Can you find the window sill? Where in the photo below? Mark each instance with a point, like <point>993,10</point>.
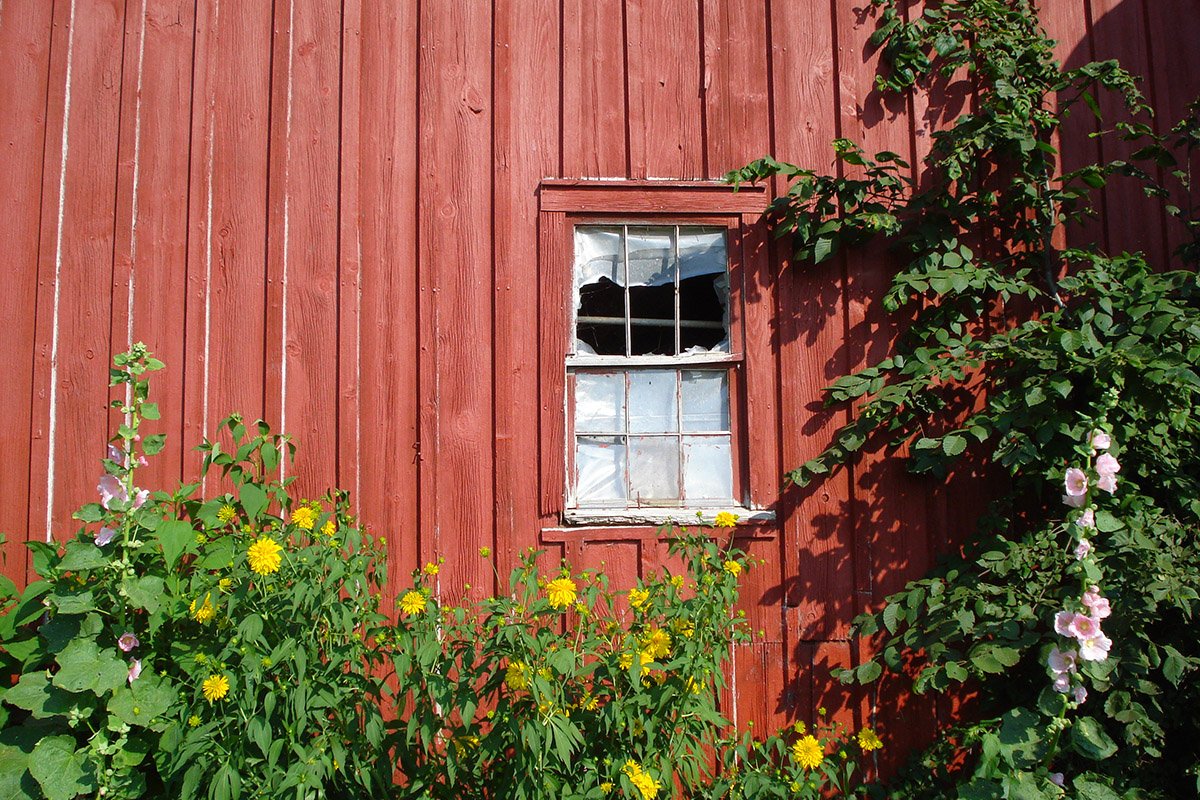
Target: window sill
<point>663,516</point>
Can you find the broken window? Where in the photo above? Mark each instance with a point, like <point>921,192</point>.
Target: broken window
<point>649,375</point>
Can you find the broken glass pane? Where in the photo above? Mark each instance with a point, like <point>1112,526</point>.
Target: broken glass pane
<point>600,402</point>
<point>654,469</point>
<point>652,401</point>
<point>651,256</point>
<point>701,252</point>
<point>702,312</point>
<point>600,470</point>
<point>707,468</point>
<point>598,255</point>
<point>705,400</point>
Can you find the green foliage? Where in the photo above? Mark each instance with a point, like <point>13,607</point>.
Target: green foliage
<point>565,688</point>
<point>1062,343</point>
<point>155,596</point>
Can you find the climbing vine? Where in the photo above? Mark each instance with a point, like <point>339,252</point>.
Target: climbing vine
<point>1077,348</point>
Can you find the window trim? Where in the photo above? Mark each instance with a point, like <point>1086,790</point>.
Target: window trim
<point>565,204</point>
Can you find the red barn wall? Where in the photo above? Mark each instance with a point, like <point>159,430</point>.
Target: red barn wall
<point>324,212</point>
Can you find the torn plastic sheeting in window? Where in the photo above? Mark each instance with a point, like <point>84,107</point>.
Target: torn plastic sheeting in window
<point>600,470</point>
<point>598,254</point>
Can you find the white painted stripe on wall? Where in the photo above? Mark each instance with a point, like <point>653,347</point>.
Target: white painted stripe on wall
<point>287,161</point>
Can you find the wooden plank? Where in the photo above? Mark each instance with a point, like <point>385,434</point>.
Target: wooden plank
<point>594,119</point>
<point>888,504</point>
<point>227,209</point>
<point>553,324</point>
<point>1118,31</point>
<point>302,263</point>
<point>386,430</point>
<point>666,116</point>
<point>1173,28</point>
<point>150,276</point>
<point>650,197</point>
<point>819,544</point>
<point>525,149</point>
<point>455,296</point>
<point>349,312</point>
<point>734,84</point>
<point>70,423</point>
<point>25,37</point>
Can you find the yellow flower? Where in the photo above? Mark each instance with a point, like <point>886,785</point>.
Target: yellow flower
<point>484,552</point>
<point>647,787</point>
<point>204,612</point>
<point>733,568</point>
<point>431,569</point>
<point>516,676</point>
<point>725,519</point>
<point>692,685</point>
<point>638,598</point>
<point>304,518</point>
<point>226,514</point>
<point>657,643</point>
<point>625,660</point>
<point>807,752</point>
<point>225,584</point>
<point>683,627</point>
<point>677,581</point>
<point>868,740</point>
<point>193,721</point>
<point>799,727</point>
<point>413,603</point>
<point>606,787</point>
<point>263,555</point>
<point>329,529</point>
<point>215,687</point>
<point>589,702</point>
<point>561,592</point>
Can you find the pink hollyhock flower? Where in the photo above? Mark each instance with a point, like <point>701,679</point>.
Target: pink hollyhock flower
<point>1095,648</point>
<point>140,498</point>
<point>135,670</point>
<point>1107,465</point>
<point>1062,683</point>
<point>116,454</point>
<point>1082,549</point>
<point>141,460</point>
<point>1062,623</point>
<point>1108,483</point>
<point>1100,441</point>
<point>1087,519</point>
<point>1080,694</point>
<point>1083,627</point>
<point>1074,502</point>
<point>1099,606</point>
<point>110,489</point>
<point>105,536</point>
<point>127,641</point>
<point>1057,779</point>
<point>1076,482</point>
<point>1061,661</point>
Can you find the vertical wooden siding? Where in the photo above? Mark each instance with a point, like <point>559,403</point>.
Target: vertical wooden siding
<point>325,212</point>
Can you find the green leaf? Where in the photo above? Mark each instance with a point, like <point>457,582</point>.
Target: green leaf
<point>1089,739</point>
<point>868,672</point>
<point>83,666</point>
<point>1174,665</point>
<point>73,602</point>
<point>822,249</point>
<point>890,613</point>
<point>37,695</point>
<point>81,556</point>
<point>15,781</point>
<point>145,703</point>
<point>254,500</point>
<point>150,411</point>
<point>59,770</point>
<point>153,445</point>
<point>145,592</point>
<point>953,444</point>
<point>956,671</point>
<point>175,536</point>
<point>1093,791</point>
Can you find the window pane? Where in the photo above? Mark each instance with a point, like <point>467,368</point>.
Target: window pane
<point>600,402</point>
<point>652,401</point>
<point>701,252</point>
<point>705,400</point>
<point>600,470</point>
<point>598,255</point>
<point>651,257</point>
<point>707,468</point>
<point>654,469</point>
<point>703,315</point>
<point>600,293</point>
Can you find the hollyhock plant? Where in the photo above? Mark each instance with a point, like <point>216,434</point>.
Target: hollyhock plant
<point>1097,605</point>
<point>1084,627</point>
<point>1107,465</point>
<point>1061,661</point>
<point>105,536</point>
<point>1108,483</point>
<point>1076,482</point>
<point>1087,519</point>
<point>1100,441</point>
<point>1080,694</point>
<point>135,670</point>
<point>110,489</point>
<point>1094,648</point>
<point>1082,549</point>
<point>127,641</point>
<point>1062,623</point>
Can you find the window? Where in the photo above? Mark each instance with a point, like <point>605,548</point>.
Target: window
<point>658,378</point>
<point>648,373</point>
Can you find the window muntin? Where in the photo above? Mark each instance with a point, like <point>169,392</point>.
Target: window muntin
<point>651,409</point>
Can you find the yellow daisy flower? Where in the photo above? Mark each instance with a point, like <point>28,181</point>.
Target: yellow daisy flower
<point>561,592</point>
<point>264,556</point>
<point>204,612</point>
<point>657,643</point>
<point>431,569</point>
<point>677,581</point>
<point>733,568</point>
<point>868,740</point>
<point>304,518</point>
<point>413,603</point>
<point>638,598</point>
<point>215,687</point>
<point>329,529</point>
<point>642,781</point>
<point>807,752</point>
<point>725,519</point>
<point>226,514</point>
<point>516,676</point>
